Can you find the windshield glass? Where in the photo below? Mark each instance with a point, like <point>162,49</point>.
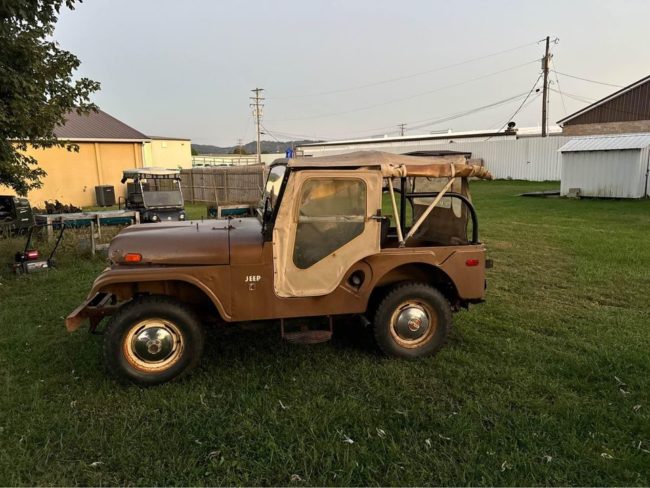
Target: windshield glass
<point>273,185</point>
<point>162,193</point>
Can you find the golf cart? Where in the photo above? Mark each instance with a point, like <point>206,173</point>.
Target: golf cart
<point>155,193</point>
<point>15,214</point>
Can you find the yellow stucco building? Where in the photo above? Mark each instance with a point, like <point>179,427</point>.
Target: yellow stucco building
<point>107,146</point>
<point>168,152</point>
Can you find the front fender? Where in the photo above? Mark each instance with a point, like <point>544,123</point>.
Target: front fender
<point>122,282</point>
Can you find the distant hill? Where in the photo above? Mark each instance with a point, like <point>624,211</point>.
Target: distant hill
<point>250,148</point>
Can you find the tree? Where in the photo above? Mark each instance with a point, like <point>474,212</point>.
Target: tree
<point>193,151</point>
<point>37,88</point>
<point>239,150</point>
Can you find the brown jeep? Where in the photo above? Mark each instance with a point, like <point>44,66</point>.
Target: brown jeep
<point>320,246</point>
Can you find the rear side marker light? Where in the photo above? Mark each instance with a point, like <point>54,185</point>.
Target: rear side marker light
<point>472,262</point>
<point>132,257</point>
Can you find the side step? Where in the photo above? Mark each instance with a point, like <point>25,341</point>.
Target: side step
<point>306,331</point>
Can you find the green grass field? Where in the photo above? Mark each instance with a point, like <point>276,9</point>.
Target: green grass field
<point>548,382</point>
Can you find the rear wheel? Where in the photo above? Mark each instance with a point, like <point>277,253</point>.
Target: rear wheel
<point>151,340</point>
<point>412,320</point>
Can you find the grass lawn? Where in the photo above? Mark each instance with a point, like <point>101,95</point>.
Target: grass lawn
<point>548,382</point>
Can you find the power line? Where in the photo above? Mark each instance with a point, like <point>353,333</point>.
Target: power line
<point>459,115</point>
<point>428,92</point>
<point>266,131</point>
<point>520,106</point>
<point>587,79</point>
<point>405,77</point>
<point>429,122</point>
<point>292,135</point>
<point>573,96</point>
<point>557,80</point>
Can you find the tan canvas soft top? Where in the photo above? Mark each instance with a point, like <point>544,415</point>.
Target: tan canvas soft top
<point>397,165</point>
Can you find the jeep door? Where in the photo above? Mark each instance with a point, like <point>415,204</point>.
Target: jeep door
<point>324,226</point>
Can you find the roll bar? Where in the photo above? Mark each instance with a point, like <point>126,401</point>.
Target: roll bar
<point>462,198</point>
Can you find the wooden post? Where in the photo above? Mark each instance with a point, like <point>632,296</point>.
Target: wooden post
<point>92,237</point>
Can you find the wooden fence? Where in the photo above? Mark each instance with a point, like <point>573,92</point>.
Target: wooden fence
<point>223,185</point>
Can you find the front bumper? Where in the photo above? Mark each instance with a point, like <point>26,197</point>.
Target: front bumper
<point>95,309</point>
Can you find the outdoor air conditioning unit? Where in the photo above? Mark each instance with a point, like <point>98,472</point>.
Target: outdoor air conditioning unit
<point>105,195</point>
<point>574,193</point>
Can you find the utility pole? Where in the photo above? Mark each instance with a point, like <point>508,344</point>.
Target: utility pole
<point>545,63</point>
<point>401,126</point>
<point>257,112</point>
<point>241,148</point>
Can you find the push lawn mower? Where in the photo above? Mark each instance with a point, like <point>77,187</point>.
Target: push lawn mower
<point>29,260</point>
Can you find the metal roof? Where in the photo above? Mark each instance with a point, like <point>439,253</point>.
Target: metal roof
<point>602,101</point>
<point>164,138</point>
<point>607,143</point>
<point>97,126</point>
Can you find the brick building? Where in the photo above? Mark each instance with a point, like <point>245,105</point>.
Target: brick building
<point>623,112</point>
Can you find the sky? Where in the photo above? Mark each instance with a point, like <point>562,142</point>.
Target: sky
<point>336,69</point>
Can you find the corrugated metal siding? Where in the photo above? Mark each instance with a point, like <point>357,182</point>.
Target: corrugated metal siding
<point>615,174</point>
<point>645,170</point>
<point>607,143</point>
<point>633,105</point>
<point>527,158</point>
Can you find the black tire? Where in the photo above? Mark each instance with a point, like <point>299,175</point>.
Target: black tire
<point>400,317</point>
<point>152,340</point>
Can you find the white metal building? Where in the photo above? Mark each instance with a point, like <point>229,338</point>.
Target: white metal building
<point>615,166</point>
<point>523,155</point>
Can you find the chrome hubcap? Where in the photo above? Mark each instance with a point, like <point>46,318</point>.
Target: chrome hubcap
<point>412,322</point>
<point>153,345</point>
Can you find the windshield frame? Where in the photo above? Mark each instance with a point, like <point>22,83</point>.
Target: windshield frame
<point>268,215</point>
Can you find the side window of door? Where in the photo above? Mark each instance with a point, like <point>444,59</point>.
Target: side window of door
<point>332,212</point>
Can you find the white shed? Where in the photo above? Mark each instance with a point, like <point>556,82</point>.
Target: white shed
<point>614,166</point>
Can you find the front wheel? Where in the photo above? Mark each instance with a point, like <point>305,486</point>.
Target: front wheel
<point>152,340</point>
<point>412,320</point>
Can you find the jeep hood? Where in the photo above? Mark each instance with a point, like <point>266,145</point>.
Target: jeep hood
<point>174,243</point>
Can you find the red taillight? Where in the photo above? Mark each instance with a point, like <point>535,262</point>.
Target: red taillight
<point>132,257</point>
<point>472,262</point>
<point>31,254</point>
